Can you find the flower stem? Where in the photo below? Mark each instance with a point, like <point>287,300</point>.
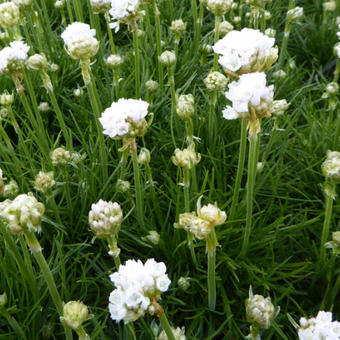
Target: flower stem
<point>173,102</point>
<point>137,61</point>
<point>337,71</point>
<point>35,247</point>
<point>158,44</point>
<point>13,323</point>
<point>82,333</point>
<point>250,192</point>
<point>211,120</point>
<point>166,326</point>
<point>216,37</point>
<point>69,10</point>
<point>196,24</point>
<point>78,10</point>
<point>327,220</point>
<point>139,201</point>
<point>109,31</point>
<point>240,167</point>
<point>211,270</point>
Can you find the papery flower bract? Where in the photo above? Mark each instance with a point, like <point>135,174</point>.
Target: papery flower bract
<point>22,214</point>
<point>125,118</point>
<point>9,14</point>
<point>105,218</point>
<point>138,287</point>
<point>246,51</point>
<point>13,57</point>
<point>80,41</point>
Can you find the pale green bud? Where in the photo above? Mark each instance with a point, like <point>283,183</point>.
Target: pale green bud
<point>215,81</point>
<point>60,156</point>
<point>60,4</point>
<point>279,75</point>
<point>167,58</point>
<point>44,107</point>
<point>37,62</point>
<point>259,167</point>
<point>113,61</point>
<point>6,99</point>
<point>75,313</point>
<point>3,300</point>
<point>267,15</point>
<point>9,14</point>
<point>184,282</point>
<point>178,26</point>
<point>144,156</point>
<point>332,88</point>
<point>153,237</point>
<point>4,113</point>
<point>219,7</point>
<point>122,186</point>
<point>186,158</point>
<point>329,6</point>
<point>11,189</point>
<point>44,181</point>
<point>100,6</point>
<point>237,20</point>
<point>151,85</point>
<point>78,92</point>
<point>270,32</point>
<point>295,14</point>
<point>185,106</point>
<point>178,333</point>
<point>331,167</point>
<point>279,107</point>
<point>225,27</point>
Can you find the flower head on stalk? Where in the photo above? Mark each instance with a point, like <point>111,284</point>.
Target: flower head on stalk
<point>219,7</point>
<point>257,3</point>
<point>246,51</point>
<point>138,288</point>
<point>44,181</point>
<point>9,14</point>
<point>125,119</point>
<point>23,214</point>
<point>100,6</point>
<point>251,100</point>
<point>202,222</point>
<point>126,12</point>
<point>320,327</point>
<point>12,62</point>
<point>80,41</point>
<point>186,158</point>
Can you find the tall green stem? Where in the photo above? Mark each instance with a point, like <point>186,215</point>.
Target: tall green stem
<point>216,37</point>
<point>35,247</point>
<point>158,44</point>
<point>173,102</point>
<point>250,192</point>
<point>166,326</point>
<point>240,167</point>
<point>109,31</point>
<point>211,251</point>
<point>69,10</point>
<point>13,323</point>
<point>139,201</point>
<point>211,120</point>
<point>153,193</point>
<point>196,24</point>
<point>327,221</point>
<point>78,10</point>
<point>137,63</point>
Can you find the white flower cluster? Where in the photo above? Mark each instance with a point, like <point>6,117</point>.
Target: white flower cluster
<point>246,51</point>
<point>9,14</point>
<point>125,11</point>
<point>105,218</point>
<point>138,287</point>
<point>100,6</point>
<point>319,328</point>
<point>80,41</point>
<point>260,311</point>
<point>219,7</point>
<point>125,118</point>
<point>331,167</point>
<point>201,224</point>
<point>13,57</point>
<point>22,214</point>
<point>249,93</point>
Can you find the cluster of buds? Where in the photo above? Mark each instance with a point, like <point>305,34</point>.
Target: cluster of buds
<point>335,243</point>
<point>185,106</point>
<point>113,61</point>
<point>294,15</point>
<point>105,219</point>
<point>260,314</point>
<point>23,214</point>
<point>75,313</point>
<point>202,222</point>
<point>44,181</point>
<point>9,14</point>
<point>178,333</point>
<point>178,27</point>
<point>61,156</point>
<point>186,158</point>
<point>215,81</point>
<point>219,7</point>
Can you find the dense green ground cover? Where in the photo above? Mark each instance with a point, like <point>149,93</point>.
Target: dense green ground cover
<point>283,257</point>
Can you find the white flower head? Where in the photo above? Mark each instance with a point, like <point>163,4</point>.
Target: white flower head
<point>44,181</point>
<point>219,7</point>
<point>186,158</point>
<point>125,11</point>
<point>295,14</point>
<point>138,287</point>
<point>80,41</point>
<point>125,118</point>
<point>249,93</point>
<point>331,167</point>
<point>105,218</point>
<point>246,51</point>
<point>9,14</point>
<point>75,313</point>
<point>13,57</point>
<point>215,81</point>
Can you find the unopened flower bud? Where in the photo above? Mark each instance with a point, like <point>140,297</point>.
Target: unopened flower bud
<point>215,81</point>
<point>295,14</point>
<point>100,6</point>
<point>60,156</point>
<point>153,237</point>
<point>331,167</point>
<point>184,282</point>
<point>60,4</point>
<point>9,14</point>
<point>6,99</point>
<point>11,189</point>
<point>259,167</point>
<point>267,15</point>
<point>4,36</point>
<point>114,60</point>
<point>144,156</point>
<point>105,218</point>
<point>225,27</point>
<point>23,3</point>
<point>335,243</point>
<point>279,107</point>
<point>44,181</point>
<point>151,85</point>
<point>260,311</point>
<point>178,333</point>
<point>279,75</point>
<point>178,26</point>
<point>270,32</point>
<point>207,49</point>
<point>219,7</point>
<point>292,64</point>
<point>212,214</point>
<point>75,313</point>
<point>122,186</point>
<point>167,58</point>
<point>237,20</point>
<point>186,158</point>
<point>3,300</point>
<point>78,92</point>
<point>332,88</point>
<point>44,107</point>
<point>329,6</point>
<point>37,62</point>
<point>53,67</point>
<point>185,106</point>
<point>4,113</point>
